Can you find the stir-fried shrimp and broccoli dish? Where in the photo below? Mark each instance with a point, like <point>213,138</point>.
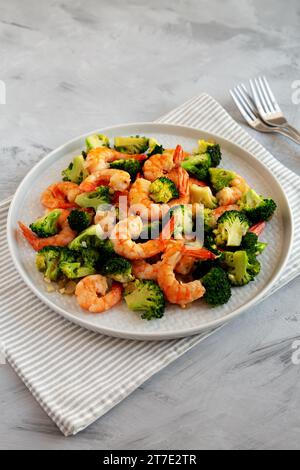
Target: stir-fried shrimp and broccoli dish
<point>134,221</point>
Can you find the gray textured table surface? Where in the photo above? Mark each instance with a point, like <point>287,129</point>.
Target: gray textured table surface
<point>72,66</point>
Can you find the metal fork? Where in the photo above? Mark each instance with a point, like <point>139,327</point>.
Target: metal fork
<point>267,106</point>
<point>249,112</point>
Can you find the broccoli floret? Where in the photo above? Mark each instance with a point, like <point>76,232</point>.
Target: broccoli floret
<point>107,248</point>
<point>217,285</point>
<point>203,195</point>
<point>131,166</point>
<point>154,148</point>
<point>67,255</point>
<point>250,199</point>
<point>251,243</point>
<point>147,297</point>
<point>95,198</point>
<point>210,244</point>
<point>203,146</point>
<point>46,226</point>
<point>197,165</point>
<point>79,220</point>
<point>215,154</point>
<point>210,220</point>
<point>203,267</point>
<point>221,178</point>
<point>55,261</point>
<point>73,266</point>
<point>242,267</point>
<point>92,247</point>
<point>212,149</point>
<point>163,190</point>
<point>183,224</point>
<point>91,256</point>
<point>256,207</point>
<point>96,140</point>
<point>132,144</point>
<point>118,269</point>
<point>76,270</point>
<point>76,264</point>
<point>263,212</point>
<point>255,266</point>
<point>232,226</point>
<point>260,247</point>
<point>47,262</point>
<point>150,231</point>
<point>76,172</point>
<point>89,238</point>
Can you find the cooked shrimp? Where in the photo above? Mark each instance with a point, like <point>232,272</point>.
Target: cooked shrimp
<point>96,159</point>
<point>185,265</point>
<point>191,252</point>
<point>222,209</point>
<point>176,175</point>
<point>141,204</point>
<point>63,238</point>
<point>180,178</point>
<point>173,175</point>
<point>162,164</point>
<point>131,227</point>
<point>60,195</point>
<point>168,164</point>
<point>230,195</point>
<point>159,165</point>
<point>99,158</point>
<point>216,213</point>
<point>92,295</point>
<point>118,180</point>
<point>175,291</point>
<point>183,187</point>
<point>143,270</point>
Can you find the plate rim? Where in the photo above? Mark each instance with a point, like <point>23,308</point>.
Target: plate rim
<point>145,336</point>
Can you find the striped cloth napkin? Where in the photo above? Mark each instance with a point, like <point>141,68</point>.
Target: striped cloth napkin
<point>77,375</point>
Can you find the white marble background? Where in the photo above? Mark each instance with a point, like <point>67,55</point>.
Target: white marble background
<point>72,66</point>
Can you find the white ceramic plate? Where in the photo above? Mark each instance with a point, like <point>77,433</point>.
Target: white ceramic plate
<point>120,321</point>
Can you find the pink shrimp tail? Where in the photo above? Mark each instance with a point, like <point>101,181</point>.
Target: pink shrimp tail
<point>222,209</point>
<point>29,235</point>
<point>258,228</point>
<point>168,230</point>
<point>138,156</point>
<point>183,185</point>
<point>200,253</point>
<point>178,155</point>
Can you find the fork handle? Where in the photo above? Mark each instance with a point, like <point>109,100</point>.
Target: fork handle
<point>292,130</point>
<point>289,133</point>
